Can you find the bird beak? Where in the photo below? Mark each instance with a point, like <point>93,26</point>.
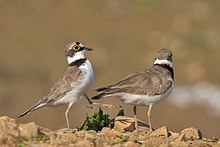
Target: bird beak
<point>88,49</point>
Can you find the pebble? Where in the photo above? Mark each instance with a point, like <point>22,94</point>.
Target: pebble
<point>8,125</point>
<point>129,144</point>
<point>192,133</point>
<point>28,130</point>
<point>163,131</point>
<point>124,124</point>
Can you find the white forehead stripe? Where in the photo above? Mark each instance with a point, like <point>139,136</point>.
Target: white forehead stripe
<point>81,45</point>
<point>76,56</point>
<point>167,62</point>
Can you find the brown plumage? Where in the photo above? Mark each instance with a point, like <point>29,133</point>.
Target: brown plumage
<point>58,90</point>
<point>73,84</point>
<point>146,87</point>
<point>147,82</point>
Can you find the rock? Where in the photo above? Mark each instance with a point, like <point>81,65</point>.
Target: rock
<point>165,145</point>
<point>105,130</point>
<point>65,130</point>
<point>91,134</point>
<point>5,138</point>
<point>192,133</point>
<point>129,144</point>
<point>8,125</point>
<point>28,130</point>
<point>173,135</point>
<point>180,144</point>
<point>180,138</point>
<point>67,137</point>
<point>141,130</point>
<point>163,131</point>
<point>81,134</point>
<point>83,143</point>
<point>124,123</point>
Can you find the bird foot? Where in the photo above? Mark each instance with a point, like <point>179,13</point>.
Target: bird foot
<point>150,131</point>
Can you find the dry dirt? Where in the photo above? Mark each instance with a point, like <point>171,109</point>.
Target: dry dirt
<point>30,134</point>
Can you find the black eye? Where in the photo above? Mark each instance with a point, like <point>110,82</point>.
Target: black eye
<point>76,47</point>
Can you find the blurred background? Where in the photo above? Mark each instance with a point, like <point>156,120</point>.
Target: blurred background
<point>125,35</point>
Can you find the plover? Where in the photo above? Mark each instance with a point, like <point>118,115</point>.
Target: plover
<point>73,84</point>
<point>146,87</point>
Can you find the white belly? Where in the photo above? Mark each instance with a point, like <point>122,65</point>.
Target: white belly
<point>135,99</point>
<point>87,78</point>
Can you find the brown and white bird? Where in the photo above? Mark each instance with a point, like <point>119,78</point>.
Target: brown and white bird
<point>146,87</point>
<point>73,84</point>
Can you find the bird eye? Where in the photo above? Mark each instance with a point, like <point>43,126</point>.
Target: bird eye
<point>76,47</point>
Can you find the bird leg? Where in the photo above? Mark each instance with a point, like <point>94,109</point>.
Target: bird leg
<point>149,118</point>
<point>135,117</point>
<point>67,115</point>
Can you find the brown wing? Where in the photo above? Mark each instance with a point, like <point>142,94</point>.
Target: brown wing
<point>150,81</point>
<point>63,85</point>
<point>58,90</point>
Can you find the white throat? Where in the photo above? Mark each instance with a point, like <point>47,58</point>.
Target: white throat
<point>77,56</point>
<point>167,62</point>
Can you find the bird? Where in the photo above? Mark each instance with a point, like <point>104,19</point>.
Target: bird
<point>146,87</point>
<point>73,84</point>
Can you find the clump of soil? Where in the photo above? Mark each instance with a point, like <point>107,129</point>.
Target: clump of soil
<point>30,134</point>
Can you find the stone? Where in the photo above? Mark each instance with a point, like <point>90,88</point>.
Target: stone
<point>179,144</point>
<point>29,130</point>
<point>5,138</point>
<point>124,123</point>
<point>141,130</point>
<point>192,133</point>
<point>91,134</point>
<point>130,144</point>
<point>105,130</point>
<point>8,125</point>
<point>83,143</point>
<point>173,135</point>
<point>180,138</point>
<point>163,131</point>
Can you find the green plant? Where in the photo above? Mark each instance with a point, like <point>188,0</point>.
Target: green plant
<point>21,145</point>
<point>119,139</point>
<point>124,138</point>
<point>96,122</point>
<point>115,141</point>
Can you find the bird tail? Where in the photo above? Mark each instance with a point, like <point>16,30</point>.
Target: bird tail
<point>99,96</point>
<point>35,107</point>
<point>101,89</point>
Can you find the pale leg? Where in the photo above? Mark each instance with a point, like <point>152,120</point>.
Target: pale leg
<point>67,115</point>
<point>135,117</point>
<point>149,117</point>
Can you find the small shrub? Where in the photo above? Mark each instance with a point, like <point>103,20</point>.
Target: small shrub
<point>96,122</point>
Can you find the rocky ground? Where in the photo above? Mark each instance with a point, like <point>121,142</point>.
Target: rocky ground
<point>123,134</point>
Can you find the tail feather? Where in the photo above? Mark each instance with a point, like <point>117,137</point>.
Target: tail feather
<point>101,89</point>
<point>99,96</point>
<point>35,107</point>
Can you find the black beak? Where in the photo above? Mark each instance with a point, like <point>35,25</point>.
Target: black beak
<point>88,49</point>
